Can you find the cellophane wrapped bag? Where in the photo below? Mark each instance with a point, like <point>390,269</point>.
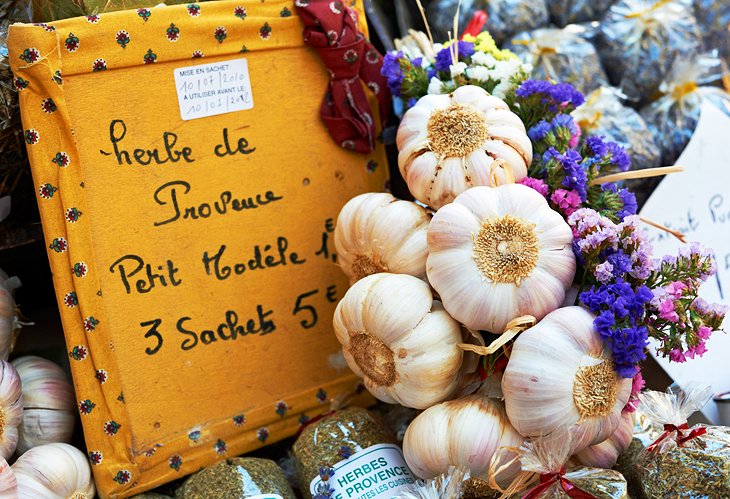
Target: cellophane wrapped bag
<point>639,41</point>
<point>545,460</point>
<point>683,461</point>
<point>505,17</point>
<point>673,117</point>
<point>449,485</point>
<point>713,17</point>
<point>564,12</point>
<point>562,55</point>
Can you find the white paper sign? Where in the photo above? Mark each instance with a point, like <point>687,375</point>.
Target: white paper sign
<point>216,88</point>
<point>697,203</point>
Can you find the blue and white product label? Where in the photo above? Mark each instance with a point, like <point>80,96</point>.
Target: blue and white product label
<point>378,472</point>
<point>266,496</point>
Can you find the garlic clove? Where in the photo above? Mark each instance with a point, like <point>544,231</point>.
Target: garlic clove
<point>399,340</point>
<point>375,232</point>
<point>54,471</point>
<point>463,432</point>
<point>48,399</point>
<point>8,483</point>
<point>9,323</point>
<point>561,366</point>
<point>606,453</point>
<point>11,408</point>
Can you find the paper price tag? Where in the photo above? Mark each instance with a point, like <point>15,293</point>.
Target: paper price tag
<point>211,89</point>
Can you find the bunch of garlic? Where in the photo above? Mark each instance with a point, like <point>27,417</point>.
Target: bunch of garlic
<point>9,323</point>
<point>449,143</point>
<point>497,253</point>
<point>11,408</point>
<point>48,400</point>
<point>560,375</point>
<point>464,432</point>
<point>54,471</point>
<point>376,232</point>
<point>400,340</point>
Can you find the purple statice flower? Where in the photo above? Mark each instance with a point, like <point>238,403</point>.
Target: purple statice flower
<point>444,60</point>
<point>536,184</point>
<point>533,87</point>
<point>593,233</point>
<point>595,146</point>
<point>629,201</point>
<point>539,131</point>
<point>565,93</point>
<point>574,176</point>
<point>619,157</point>
<point>393,71</point>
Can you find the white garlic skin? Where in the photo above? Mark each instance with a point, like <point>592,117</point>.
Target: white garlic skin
<point>386,233</point>
<point>606,453</point>
<point>9,324</point>
<point>435,177</point>
<point>399,340</point>
<point>54,471</point>
<point>11,408</point>
<point>8,482</point>
<point>467,292</point>
<point>538,382</point>
<point>48,398</point>
<point>463,432</point>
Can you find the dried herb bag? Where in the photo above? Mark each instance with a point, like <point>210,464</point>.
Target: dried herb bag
<point>673,117</point>
<point>561,55</point>
<point>350,454</point>
<point>683,462</point>
<point>640,40</point>
<point>505,17</point>
<point>713,17</point>
<point>237,478</point>
<point>564,12</point>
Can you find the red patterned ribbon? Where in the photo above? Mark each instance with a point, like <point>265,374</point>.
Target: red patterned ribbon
<point>547,480</point>
<point>475,26</point>
<point>331,29</point>
<point>669,429</point>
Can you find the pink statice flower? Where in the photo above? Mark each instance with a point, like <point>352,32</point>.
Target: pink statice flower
<point>536,184</point>
<point>667,311</point>
<point>567,201</point>
<point>677,355</point>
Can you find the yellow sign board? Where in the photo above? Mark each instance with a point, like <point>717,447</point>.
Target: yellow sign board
<point>188,193</point>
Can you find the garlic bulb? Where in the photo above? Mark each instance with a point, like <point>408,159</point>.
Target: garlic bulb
<point>54,471</point>
<point>378,233</point>
<point>497,253</point>
<point>9,323</point>
<point>560,375</point>
<point>8,483</point>
<point>448,143</point>
<point>399,340</point>
<point>606,453</point>
<point>49,404</point>
<point>463,432</point>
<point>11,408</point>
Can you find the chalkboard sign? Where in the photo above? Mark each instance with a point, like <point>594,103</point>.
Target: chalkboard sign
<point>188,193</point>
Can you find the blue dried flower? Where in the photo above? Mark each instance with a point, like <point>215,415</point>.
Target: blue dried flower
<point>392,71</point>
<point>443,58</point>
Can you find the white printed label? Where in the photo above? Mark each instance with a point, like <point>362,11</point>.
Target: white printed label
<point>378,472</point>
<point>216,88</point>
<point>266,496</point>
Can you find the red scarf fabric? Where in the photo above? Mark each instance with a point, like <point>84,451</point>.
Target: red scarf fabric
<point>331,29</point>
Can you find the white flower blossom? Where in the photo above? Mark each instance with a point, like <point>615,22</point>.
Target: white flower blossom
<point>435,87</point>
<point>478,73</point>
<point>457,69</point>
<point>483,59</point>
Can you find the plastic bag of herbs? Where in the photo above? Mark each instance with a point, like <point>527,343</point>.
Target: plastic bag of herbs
<point>545,474</point>
<point>672,118</point>
<point>683,461</point>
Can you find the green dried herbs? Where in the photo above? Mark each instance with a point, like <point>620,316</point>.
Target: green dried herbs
<point>237,478</point>
<point>700,468</point>
<point>332,439</point>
